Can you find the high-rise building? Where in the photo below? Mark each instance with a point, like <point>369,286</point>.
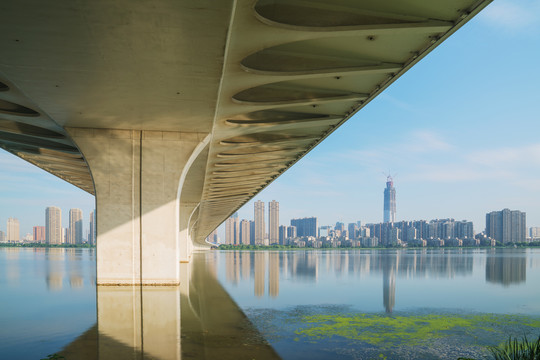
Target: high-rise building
<point>92,229</point>
<point>306,226</point>
<point>39,234</point>
<point>53,225</point>
<point>353,230</point>
<point>2,237</point>
<point>273,222</point>
<point>75,232</point>
<point>291,232</point>
<point>260,228</point>
<point>389,201</point>
<point>245,232</point>
<point>282,234</point>
<point>506,225</point>
<point>251,232</point>
<point>13,232</point>
<point>464,229</point>
<point>232,230</point>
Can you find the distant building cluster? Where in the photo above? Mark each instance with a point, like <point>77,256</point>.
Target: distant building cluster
<point>406,232</point>
<point>252,232</point>
<point>505,226</point>
<point>53,233</point>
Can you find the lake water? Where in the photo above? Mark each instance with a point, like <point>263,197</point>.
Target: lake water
<point>313,304</point>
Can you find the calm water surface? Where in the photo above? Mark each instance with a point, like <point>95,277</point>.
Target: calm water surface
<point>47,299</point>
<point>357,304</point>
<point>395,304</point>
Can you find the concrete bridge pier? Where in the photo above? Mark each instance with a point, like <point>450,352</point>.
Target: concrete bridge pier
<point>141,227</point>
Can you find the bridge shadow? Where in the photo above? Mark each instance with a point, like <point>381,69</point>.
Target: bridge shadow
<point>196,320</point>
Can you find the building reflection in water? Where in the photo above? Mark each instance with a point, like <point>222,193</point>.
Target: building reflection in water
<point>12,271</point>
<point>505,269</point>
<point>52,264</point>
<point>389,265</point>
<point>273,274</point>
<point>55,268</point>
<point>303,266</point>
<point>259,272</point>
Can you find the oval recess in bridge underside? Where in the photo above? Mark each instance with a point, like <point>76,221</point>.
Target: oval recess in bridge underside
<point>265,138</point>
<point>344,13</point>
<point>228,194</point>
<point>219,177</point>
<point>30,141</point>
<point>283,93</point>
<point>236,187</point>
<point>15,127</point>
<point>258,151</point>
<point>8,107</point>
<point>250,161</point>
<point>235,169</point>
<point>44,159</point>
<point>276,117</point>
<point>63,155</point>
<point>3,87</point>
<point>304,60</point>
<point>254,180</point>
<point>247,172</point>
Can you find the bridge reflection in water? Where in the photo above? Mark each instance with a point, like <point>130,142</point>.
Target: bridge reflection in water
<point>197,320</point>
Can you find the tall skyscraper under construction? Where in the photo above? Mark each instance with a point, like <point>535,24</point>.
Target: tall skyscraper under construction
<point>389,201</point>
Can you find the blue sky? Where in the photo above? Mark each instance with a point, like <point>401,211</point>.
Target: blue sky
<point>461,130</point>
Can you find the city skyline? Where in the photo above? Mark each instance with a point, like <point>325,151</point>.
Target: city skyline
<point>52,230</point>
<point>460,151</point>
<point>505,226</point>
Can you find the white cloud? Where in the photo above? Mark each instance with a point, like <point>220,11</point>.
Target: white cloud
<point>452,173</point>
<point>426,141</point>
<point>512,14</point>
<point>524,156</point>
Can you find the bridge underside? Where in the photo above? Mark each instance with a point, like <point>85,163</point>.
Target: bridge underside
<point>176,113</point>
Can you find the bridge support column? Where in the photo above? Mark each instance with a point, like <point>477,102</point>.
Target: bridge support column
<point>136,177</point>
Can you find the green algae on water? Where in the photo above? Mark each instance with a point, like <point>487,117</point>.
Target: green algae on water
<point>413,330</point>
<point>335,331</point>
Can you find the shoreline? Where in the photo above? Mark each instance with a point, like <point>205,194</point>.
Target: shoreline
<point>54,246</point>
<point>287,248</point>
